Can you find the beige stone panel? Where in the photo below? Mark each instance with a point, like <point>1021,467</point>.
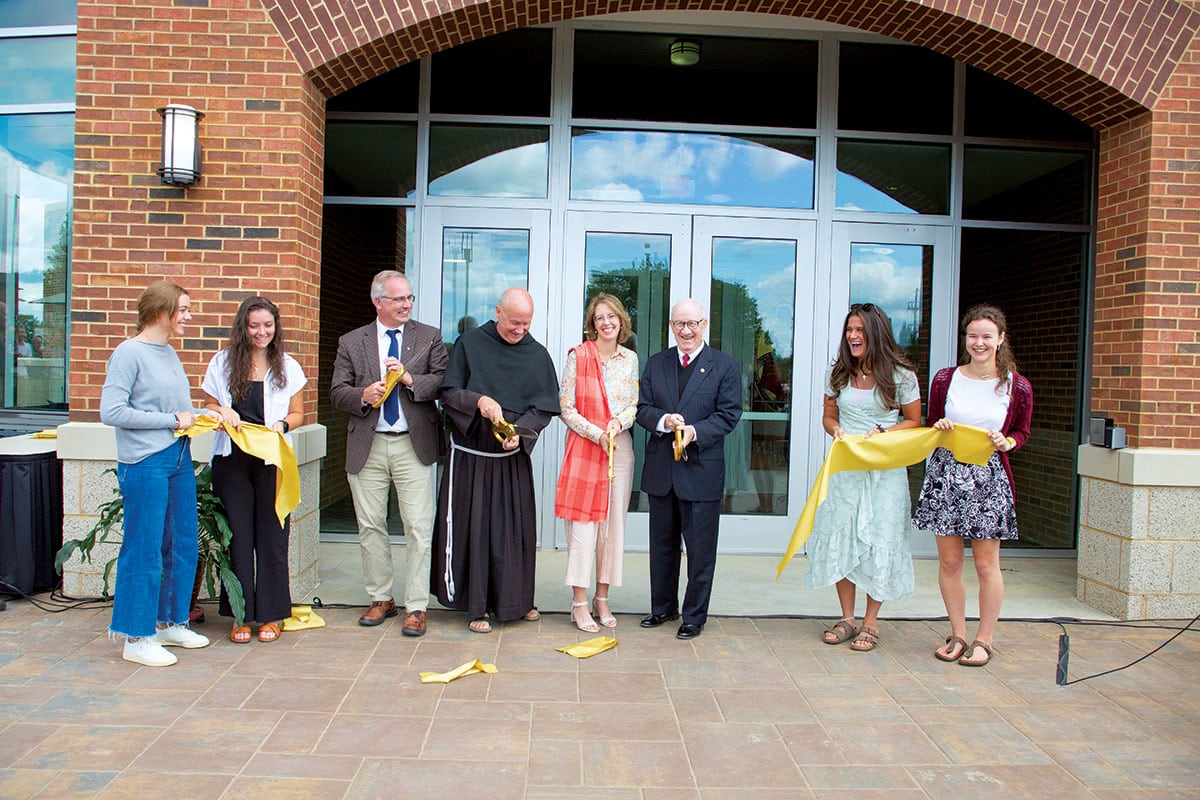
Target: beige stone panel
<point>1100,557</point>
<point>1111,601</point>
<point>1118,509</point>
<point>96,486</point>
<point>1172,606</point>
<point>1185,568</point>
<point>1148,569</point>
<point>1174,513</point>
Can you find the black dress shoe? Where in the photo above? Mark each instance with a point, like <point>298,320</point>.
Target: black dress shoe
<point>688,631</point>
<point>654,620</point>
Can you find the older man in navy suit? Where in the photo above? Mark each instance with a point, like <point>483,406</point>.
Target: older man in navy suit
<point>695,390</point>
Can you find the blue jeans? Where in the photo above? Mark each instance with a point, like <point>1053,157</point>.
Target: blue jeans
<point>157,564</point>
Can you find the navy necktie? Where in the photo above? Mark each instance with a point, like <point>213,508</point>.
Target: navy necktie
<point>391,406</point>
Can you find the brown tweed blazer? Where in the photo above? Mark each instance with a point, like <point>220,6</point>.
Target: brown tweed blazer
<point>357,365</point>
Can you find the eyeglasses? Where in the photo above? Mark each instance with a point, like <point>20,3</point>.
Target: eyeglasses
<point>400,298</point>
<point>690,324</point>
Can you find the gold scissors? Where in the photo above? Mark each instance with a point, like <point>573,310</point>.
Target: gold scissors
<point>503,430</point>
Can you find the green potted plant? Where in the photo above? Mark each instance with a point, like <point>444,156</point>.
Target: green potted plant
<point>213,564</point>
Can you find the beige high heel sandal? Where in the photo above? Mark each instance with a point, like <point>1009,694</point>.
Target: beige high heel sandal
<point>590,626</point>
<point>607,620</point>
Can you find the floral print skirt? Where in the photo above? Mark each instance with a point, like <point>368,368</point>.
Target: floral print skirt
<point>966,500</point>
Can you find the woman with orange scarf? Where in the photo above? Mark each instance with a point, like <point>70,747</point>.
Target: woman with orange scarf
<point>599,404</point>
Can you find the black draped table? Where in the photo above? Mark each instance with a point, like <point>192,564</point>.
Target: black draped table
<point>31,513</point>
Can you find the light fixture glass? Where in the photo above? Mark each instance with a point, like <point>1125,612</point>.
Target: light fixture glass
<point>685,52</point>
<point>180,145</point>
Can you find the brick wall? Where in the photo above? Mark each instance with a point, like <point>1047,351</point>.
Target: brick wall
<point>251,225</point>
<point>1146,372</point>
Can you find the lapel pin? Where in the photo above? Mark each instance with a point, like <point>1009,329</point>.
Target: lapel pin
<point>702,370</point>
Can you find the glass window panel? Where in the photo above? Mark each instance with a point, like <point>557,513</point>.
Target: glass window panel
<point>370,159</point>
<point>1027,185</point>
<point>394,92</point>
<point>1038,277</point>
<point>489,160</point>
<point>37,69</point>
<point>743,76</point>
<point>893,177</point>
<point>899,278</point>
<point>36,173</point>
<point>887,87</point>
<point>1000,110</point>
<point>478,265</point>
<point>36,13</point>
<point>507,74</point>
<point>636,268</point>
<point>752,319</point>
<point>701,168</point>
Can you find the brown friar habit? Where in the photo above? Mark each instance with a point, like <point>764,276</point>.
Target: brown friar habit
<point>485,537</point>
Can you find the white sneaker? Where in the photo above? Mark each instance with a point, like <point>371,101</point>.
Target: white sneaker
<point>147,651</point>
<point>180,636</point>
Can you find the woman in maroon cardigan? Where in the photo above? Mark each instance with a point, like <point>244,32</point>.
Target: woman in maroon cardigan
<point>961,502</point>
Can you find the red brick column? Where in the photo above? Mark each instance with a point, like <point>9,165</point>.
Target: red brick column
<point>251,225</point>
<point>1146,363</point>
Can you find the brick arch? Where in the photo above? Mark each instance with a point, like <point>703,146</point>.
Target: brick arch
<point>1102,61</point>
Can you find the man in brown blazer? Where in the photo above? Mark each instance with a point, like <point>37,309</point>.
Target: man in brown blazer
<point>396,444</point>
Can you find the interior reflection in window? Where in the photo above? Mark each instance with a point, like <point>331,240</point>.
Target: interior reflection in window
<point>478,264</point>
<point>36,162</point>
<point>701,168</point>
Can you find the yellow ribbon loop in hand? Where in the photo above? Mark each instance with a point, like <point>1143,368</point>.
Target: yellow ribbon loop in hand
<point>892,450</point>
<point>470,668</point>
<point>389,382</point>
<point>589,648</point>
<point>269,445</point>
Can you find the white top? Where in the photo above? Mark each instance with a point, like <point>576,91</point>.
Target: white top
<point>975,402</point>
<point>275,401</point>
<point>385,345</point>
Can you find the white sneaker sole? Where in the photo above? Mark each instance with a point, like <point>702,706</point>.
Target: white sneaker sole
<point>148,663</point>
<point>195,646</point>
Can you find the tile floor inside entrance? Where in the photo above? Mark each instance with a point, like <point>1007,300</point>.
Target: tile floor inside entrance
<point>756,707</point>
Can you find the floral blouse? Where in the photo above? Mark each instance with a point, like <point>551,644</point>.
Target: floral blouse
<point>620,385</point>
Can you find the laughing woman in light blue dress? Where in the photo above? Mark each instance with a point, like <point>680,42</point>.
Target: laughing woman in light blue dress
<point>860,535</point>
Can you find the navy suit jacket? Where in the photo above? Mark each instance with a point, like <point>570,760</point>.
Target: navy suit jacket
<point>712,402</point>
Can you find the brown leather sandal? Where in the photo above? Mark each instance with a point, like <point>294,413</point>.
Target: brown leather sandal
<point>241,634</point>
<point>963,661</point>
<point>842,631</point>
<point>268,632</point>
<point>867,638</point>
<point>955,643</point>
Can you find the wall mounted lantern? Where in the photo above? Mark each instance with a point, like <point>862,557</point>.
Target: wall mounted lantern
<point>180,145</point>
<point>685,52</point>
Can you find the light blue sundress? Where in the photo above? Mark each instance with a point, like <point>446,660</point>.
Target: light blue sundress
<point>861,531</point>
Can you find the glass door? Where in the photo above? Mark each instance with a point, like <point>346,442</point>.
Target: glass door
<point>748,273</point>
<point>904,269</point>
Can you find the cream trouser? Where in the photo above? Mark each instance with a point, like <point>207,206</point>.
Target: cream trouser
<point>394,463</point>
<point>605,541</point>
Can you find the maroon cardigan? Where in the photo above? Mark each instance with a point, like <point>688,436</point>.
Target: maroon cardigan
<point>1016,424</point>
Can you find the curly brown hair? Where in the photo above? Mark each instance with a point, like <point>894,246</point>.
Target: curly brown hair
<point>241,348</point>
<point>882,357</point>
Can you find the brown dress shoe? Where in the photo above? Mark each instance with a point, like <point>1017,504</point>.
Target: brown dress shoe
<point>378,612</point>
<point>414,624</point>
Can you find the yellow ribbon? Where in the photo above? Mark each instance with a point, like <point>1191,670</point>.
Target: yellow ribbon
<point>267,444</point>
<point>589,648</point>
<point>470,668</point>
<point>303,618</point>
<point>49,433</point>
<point>892,450</point>
<point>389,382</point>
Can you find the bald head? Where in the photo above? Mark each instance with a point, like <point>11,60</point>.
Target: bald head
<point>688,325</point>
<point>514,313</point>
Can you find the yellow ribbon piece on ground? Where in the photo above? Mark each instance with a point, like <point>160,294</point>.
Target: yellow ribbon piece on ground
<point>389,382</point>
<point>589,648</point>
<point>49,433</point>
<point>470,668</point>
<point>267,444</point>
<point>891,450</point>
<point>303,618</point>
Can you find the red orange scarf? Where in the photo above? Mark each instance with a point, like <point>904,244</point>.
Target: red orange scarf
<point>583,484</point>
